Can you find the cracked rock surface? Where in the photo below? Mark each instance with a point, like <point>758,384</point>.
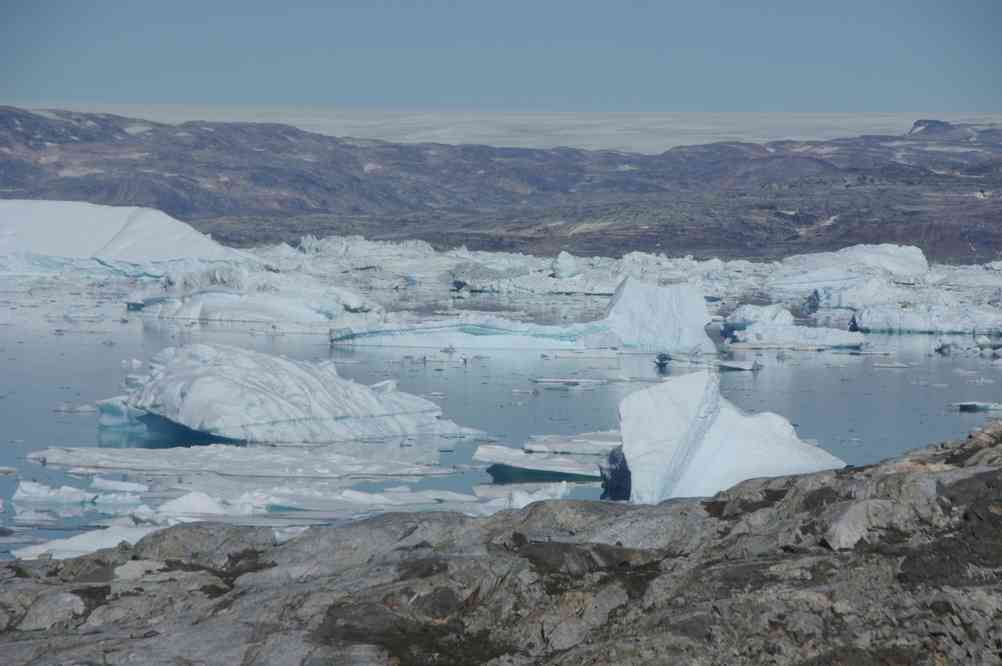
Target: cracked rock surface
<point>895,563</point>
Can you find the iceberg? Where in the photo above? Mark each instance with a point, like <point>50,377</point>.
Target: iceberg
<point>851,267</point>
<point>640,316</point>
<point>773,336</point>
<point>238,394</point>
<point>565,265</point>
<point>115,233</point>
<point>941,318</point>
<point>682,439</point>
<point>249,294</point>
<point>747,314</point>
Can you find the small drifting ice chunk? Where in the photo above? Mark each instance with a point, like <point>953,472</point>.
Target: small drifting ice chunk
<point>985,343</point>
<point>738,366</point>
<point>116,413</point>
<point>239,394</point>
<point>520,497</point>
<point>74,408</point>
<point>774,336</point>
<point>508,464</point>
<point>405,497</point>
<point>974,406</point>
<point>88,542</point>
<point>197,505</point>
<point>119,486</point>
<point>568,383</point>
<point>682,439</point>
<point>585,444</point>
<point>133,364</point>
<point>746,315</point>
<point>32,492</point>
<point>565,265</point>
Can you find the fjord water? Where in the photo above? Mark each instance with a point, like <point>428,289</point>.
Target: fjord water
<point>849,404</point>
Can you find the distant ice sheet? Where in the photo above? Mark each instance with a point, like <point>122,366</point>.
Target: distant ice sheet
<point>641,132</point>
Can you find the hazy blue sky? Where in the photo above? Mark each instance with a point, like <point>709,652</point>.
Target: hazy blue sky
<point>837,55</point>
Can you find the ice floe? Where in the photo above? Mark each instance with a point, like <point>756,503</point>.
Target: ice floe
<point>508,464</point>
<point>87,542</point>
<point>682,439</point>
<point>764,335</point>
<point>233,461</point>
<point>38,493</point>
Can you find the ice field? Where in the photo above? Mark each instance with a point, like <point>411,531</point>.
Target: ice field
<point>149,375</point>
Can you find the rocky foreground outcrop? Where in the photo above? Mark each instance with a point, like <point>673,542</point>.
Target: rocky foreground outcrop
<point>896,563</point>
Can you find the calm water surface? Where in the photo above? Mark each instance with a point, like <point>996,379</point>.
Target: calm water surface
<point>859,412</point>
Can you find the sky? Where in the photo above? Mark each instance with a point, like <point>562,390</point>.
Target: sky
<point>556,55</point>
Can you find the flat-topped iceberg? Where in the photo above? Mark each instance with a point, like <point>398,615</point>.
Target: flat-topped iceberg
<point>640,316</point>
<point>682,439</point>
<point>114,233</point>
<point>238,394</point>
<point>930,318</point>
<point>509,464</point>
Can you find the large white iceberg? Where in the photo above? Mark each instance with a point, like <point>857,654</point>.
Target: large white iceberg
<point>682,439</point>
<point>115,233</point>
<point>640,316</point>
<point>239,394</point>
